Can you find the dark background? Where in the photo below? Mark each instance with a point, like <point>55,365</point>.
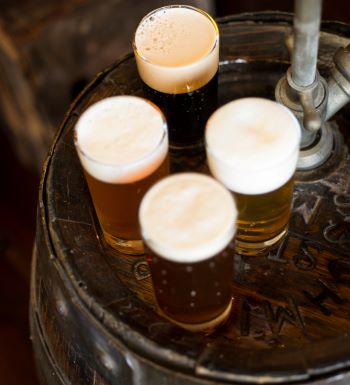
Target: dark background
<point>331,9</point>
<point>18,197</point>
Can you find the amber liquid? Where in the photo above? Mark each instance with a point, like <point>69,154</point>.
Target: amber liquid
<point>117,205</point>
<point>192,293</point>
<point>262,218</point>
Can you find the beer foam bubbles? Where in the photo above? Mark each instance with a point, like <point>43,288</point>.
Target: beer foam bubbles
<point>121,139</point>
<point>252,145</point>
<point>187,217</point>
<point>177,49</point>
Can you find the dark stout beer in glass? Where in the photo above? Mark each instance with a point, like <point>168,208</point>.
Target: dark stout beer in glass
<point>252,147</point>
<point>122,144</point>
<point>177,55</point>
<point>188,222</point>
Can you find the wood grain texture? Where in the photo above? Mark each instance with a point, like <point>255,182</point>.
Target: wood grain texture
<point>95,308</point>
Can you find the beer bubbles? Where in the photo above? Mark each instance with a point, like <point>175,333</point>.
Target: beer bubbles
<point>252,147</point>
<point>122,143</point>
<point>188,222</point>
<point>177,55</point>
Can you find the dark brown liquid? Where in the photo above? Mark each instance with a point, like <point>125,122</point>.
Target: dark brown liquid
<point>192,292</point>
<point>186,113</point>
<point>117,205</point>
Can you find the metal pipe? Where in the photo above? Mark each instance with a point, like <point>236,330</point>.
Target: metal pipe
<point>339,96</point>
<point>306,35</point>
<point>339,82</point>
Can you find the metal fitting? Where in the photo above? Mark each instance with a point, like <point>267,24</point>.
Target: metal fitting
<point>339,82</point>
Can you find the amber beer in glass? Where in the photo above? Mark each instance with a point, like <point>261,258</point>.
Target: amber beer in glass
<point>252,147</point>
<point>122,143</point>
<point>188,222</point>
<point>177,55</point>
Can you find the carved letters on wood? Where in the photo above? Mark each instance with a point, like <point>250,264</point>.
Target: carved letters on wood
<point>321,288</point>
<point>308,264</point>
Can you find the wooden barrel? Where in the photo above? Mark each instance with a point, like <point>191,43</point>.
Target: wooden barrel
<point>48,50</point>
<point>93,316</point>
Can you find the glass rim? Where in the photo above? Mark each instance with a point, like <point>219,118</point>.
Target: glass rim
<point>288,154</point>
<point>138,52</point>
<point>136,161</point>
<point>203,249</point>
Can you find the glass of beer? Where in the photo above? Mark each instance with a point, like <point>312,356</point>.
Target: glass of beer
<point>122,143</point>
<point>177,55</point>
<point>252,147</point>
<point>188,222</point>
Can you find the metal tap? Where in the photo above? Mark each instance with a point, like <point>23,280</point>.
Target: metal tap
<point>310,97</point>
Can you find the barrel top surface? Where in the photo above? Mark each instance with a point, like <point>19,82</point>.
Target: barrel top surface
<point>291,318</point>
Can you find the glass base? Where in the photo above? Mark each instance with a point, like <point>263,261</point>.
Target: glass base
<point>244,247</point>
<point>187,147</point>
<point>207,327</point>
<point>126,246</point>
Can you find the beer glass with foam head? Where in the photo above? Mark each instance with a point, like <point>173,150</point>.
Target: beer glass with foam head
<point>177,55</point>
<point>252,147</point>
<point>122,143</point>
<point>188,222</point>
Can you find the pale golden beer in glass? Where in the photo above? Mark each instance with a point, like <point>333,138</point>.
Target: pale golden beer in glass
<point>188,223</point>
<point>177,55</point>
<point>122,143</point>
<point>252,147</point>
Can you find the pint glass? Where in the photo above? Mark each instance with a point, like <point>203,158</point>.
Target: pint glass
<point>177,55</point>
<point>122,143</point>
<point>252,147</point>
<point>188,222</point>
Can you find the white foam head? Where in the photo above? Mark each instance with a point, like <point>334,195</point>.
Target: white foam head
<point>177,49</point>
<point>252,145</point>
<point>121,139</point>
<point>188,217</point>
